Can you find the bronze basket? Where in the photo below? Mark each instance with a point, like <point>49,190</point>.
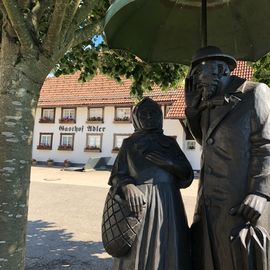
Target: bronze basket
<point>119,225</point>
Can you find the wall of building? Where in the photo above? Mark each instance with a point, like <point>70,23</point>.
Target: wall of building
<point>172,127</point>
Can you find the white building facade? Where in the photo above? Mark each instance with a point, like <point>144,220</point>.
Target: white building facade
<point>79,133</point>
<point>76,121</point>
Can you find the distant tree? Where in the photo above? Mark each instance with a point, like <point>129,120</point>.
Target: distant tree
<point>261,69</point>
<point>34,36</point>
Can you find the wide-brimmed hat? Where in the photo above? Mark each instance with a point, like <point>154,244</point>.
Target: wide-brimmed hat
<point>213,53</point>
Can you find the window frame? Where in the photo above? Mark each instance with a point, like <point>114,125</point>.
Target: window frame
<point>119,120</point>
<point>61,147</point>
<point>43,147</point>
<point>115,149</point>
<point>44,120</point>
<point>89,120</point>
<point>88,149</point>
<point>68,121</point>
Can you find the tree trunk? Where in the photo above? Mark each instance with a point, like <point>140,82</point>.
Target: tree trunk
<point>20,83</point>
<point>17,113</point>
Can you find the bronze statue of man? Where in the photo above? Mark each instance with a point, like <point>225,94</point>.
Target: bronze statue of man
<point>230,118</point>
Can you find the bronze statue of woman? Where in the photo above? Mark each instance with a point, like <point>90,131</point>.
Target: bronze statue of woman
<point>149,171</point>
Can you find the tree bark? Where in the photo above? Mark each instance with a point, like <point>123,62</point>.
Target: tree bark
<point>18,99</point>
<point>16,125</point>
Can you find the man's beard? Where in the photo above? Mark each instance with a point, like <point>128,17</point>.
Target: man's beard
<point>208,91</point>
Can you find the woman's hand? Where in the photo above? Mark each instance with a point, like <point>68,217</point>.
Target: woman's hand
<point>134,197</point>
<point>180,168</point>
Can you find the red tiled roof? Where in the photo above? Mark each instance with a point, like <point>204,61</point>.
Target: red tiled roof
<point>177,111</point>
<point>243,70</point>
<point>68,91</point>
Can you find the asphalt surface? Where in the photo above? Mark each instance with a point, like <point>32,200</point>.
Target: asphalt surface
<point>64,222</point>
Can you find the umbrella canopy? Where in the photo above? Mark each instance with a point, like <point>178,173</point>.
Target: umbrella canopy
<point>170,30</point>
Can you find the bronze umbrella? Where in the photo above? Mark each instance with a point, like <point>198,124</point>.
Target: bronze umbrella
<point>172,30</point>
<point>251,244</point>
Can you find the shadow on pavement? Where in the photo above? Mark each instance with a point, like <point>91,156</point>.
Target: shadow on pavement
<point>49,247</point>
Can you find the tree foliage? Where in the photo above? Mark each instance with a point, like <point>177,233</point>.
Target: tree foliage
<point>48,29</point>
<point>119,64</point>
<point>261,69</point>
<point>53,27</point>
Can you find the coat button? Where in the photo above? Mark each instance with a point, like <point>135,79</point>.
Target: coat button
<point>210,141</point>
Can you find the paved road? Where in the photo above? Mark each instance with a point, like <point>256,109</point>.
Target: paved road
<point>65,212</point>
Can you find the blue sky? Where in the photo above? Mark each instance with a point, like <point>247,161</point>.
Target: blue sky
<point>98,40</point>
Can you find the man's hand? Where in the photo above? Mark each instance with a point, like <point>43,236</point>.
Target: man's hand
<point>192,96</point>
<point>252,207</point>
<point>134,197</point>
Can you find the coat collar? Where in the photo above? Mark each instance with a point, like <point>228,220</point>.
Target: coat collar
<point>235,87</point>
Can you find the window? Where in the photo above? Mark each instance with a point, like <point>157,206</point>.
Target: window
<point>95,115</point>
<point>122,114</point>
<point>118,140</point>
<point>190,145</point>
<point>45,141</point>
<point>190,142</point>
<point>166,109</point>
<point>93,142</point>
<point>68,116</point>
<point>66,141</point>
<point>47,115</point>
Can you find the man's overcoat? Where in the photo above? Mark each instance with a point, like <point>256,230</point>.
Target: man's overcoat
<point>235,138</point>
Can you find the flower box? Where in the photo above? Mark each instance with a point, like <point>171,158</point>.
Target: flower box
<point>44,147</point>
<point>95,120</point>
<point>65,147</point>
<point>92,149</point>
<point>46,120</point>
<point>67,121</point>
<point>115,149</point>
<point>122,120</point>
